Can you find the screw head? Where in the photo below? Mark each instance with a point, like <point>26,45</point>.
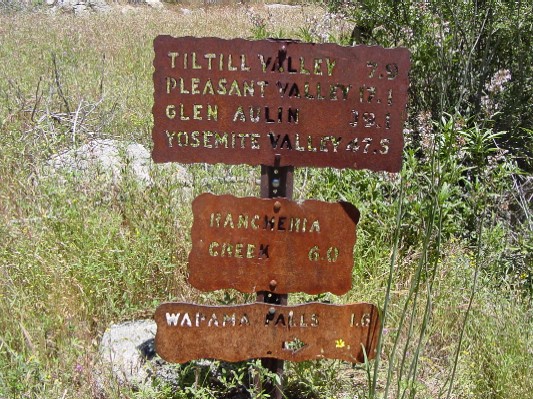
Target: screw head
<point>277,206</point>
<point>271,310</point>
<point>273,284</point>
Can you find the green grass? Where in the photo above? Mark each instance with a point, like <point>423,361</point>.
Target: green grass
<point>77,255</point>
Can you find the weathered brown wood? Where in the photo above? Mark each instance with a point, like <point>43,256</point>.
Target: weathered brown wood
<point>238,101</point>
<point>278,245</point>
<point>276,181</point>
<point>296,333</point>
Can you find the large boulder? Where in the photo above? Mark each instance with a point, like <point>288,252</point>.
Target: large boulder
<point>155,4</point>
<point>109,161</point>
<point>80,6</point>
<point>127,356</point>
<point>125,349</point>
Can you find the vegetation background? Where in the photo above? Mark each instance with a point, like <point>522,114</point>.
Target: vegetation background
<point>445,247</point>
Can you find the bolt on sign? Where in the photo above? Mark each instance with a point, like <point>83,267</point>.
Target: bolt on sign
<point>238,101</point>
<point>278,245</point>
<point>297,333</point>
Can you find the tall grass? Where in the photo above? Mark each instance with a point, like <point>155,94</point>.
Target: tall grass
<point>78,254</point>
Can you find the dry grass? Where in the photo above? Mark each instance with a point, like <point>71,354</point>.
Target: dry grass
<point>76,256</point>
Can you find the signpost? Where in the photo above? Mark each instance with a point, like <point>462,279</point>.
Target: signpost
<point>278,104</point>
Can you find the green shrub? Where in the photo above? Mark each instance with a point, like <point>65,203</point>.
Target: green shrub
<point>468,57</point>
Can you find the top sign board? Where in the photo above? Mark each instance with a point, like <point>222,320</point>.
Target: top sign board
<point>239,101</point>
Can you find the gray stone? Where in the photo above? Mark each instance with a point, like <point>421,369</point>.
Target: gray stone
<point>123,351</point>
<point>99,5</point>
<point>155,4</point>
<point>69,4</point>
<point>127,356</point>
<point>80,7</point>
<point>109,160</point>
<point>276,6</point>
<point>127,9</point>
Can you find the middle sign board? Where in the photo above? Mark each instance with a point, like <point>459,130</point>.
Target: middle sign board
<point>278,245</point>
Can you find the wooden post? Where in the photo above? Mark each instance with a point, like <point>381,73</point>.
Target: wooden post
<point>275,182</point>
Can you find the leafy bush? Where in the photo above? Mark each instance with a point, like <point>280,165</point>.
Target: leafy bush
<point>468,57</point>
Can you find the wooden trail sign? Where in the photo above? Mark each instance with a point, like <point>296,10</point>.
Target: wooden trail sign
<point>278,104</point>
<point>238,101</point>
<point>297,333</point>
<point>277,245</point>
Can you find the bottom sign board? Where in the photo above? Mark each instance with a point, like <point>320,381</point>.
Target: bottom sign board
<point>296,333</point>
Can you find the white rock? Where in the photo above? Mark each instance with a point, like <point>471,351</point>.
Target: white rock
<point>109,160</point>
<point>139,161</point>
<point>67,3</point>
<point>155,4</point>
<point>128,9</point>
<point>80,9</point>
<point>281,7</point>
<point>127,354</point>
<point>99,5</point>
<point>119,351</point>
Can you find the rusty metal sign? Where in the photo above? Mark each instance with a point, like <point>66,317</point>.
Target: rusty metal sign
<point>278,245</point>
<point>239,101</point>
<point>296,333</point>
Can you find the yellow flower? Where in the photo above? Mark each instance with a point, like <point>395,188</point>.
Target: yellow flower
<point>340,343</point>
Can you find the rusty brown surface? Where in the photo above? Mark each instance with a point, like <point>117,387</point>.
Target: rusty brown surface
<point>275,182</point>
<point>272,244</point>
<point>296,333</point>
<point>313,104</point>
